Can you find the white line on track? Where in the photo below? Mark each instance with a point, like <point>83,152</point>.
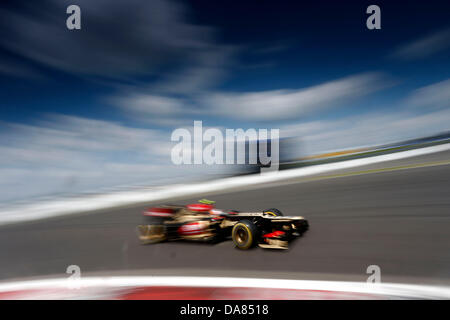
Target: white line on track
<point>384,289</point>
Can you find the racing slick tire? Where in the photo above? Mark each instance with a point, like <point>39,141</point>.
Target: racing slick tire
<point>149,234</point>
<point>244,234</point>
<point>273,212</point>
<point>305,226</point>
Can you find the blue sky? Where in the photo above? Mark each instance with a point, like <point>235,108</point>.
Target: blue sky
<point>95,107</point>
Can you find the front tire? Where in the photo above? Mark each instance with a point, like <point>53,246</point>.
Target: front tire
<point>244,234</point>
<point>273,212</point>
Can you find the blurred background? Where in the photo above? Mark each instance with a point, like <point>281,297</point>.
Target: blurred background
<point>93,110</point>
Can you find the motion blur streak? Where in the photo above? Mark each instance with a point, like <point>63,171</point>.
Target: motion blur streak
<point>394,219</point>
<point>53,208</point>
<point>87,116</point>
<point>214,288</point>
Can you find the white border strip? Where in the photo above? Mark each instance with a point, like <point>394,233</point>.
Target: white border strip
<point>386,290</point>
<point>61,207</point>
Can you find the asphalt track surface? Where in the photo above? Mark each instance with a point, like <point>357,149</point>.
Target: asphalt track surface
<point>395,215</point>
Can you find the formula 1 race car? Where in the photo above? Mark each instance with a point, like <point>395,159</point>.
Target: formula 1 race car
<point>203,222</point>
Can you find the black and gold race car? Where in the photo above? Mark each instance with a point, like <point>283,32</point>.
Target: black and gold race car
<point>203,222</point>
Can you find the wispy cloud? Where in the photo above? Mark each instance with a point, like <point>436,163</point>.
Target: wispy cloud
<point>411,118</point>
<point>15,69</point>
<point>66,153</point>
<point>424,47</point>
<point>117,39</point>
<point>270,105</point>
<point>368,129</point>
<point>203,72</point>
<point>285,104</point>
<point>436,95</point>
<point>167,70</point>
<point>162,111</point>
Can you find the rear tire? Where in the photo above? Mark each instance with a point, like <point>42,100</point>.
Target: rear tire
<point>244,234</point>
<point>273,212</point>
<point>149,234</point>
